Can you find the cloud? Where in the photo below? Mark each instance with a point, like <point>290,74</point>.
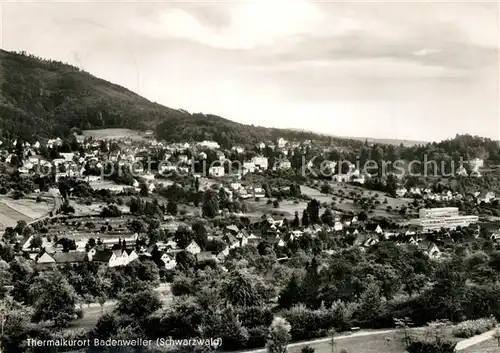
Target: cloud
<point>249,25</point>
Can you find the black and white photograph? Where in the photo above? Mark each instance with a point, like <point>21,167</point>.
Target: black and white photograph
<point>249,176</point>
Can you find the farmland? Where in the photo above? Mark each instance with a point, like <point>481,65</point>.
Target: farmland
<point>27,209</point>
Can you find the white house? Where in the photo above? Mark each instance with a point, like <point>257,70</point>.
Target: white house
<point>193,248</point>
<point>169,261</point>
<point>401,192</point>
<point>259,192</point>
<point>210,144</point>
<point>260,162</point>
<point>248,167</point>
<point>217,171</point>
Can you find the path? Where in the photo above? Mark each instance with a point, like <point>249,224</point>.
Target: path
<point>327,340</point>
<point>469,342</point>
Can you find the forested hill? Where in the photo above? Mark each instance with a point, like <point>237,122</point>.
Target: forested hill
<point>43,98</point>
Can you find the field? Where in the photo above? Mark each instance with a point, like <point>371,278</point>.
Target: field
<point>287,208</point>
<point>374,343</point>
<point>27,209</point>
<point>346,204</point>
<point>113,134</point>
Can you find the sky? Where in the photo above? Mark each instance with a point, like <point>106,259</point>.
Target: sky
<point>396,69</point>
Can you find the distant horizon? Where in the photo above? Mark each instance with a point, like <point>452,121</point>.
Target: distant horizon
<point>394,70</point>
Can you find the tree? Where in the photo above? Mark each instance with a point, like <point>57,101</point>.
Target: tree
<point>210,206</point>
<point>172,207</point>
<point>54,299</point>
<point>313,210</point>
<point>224,323</point>
<point>279,336</point>
<point>241,290</point>
<point>291,294</point>
<point>138,226</point>
<point>371,304</point>
<point>36,242</point>
<point>305,219</point>
<point>138,305</point>
<point>296,222</point>
<point>20,226</point>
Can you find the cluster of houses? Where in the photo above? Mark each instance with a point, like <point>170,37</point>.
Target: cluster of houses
<point>427,193</point>
<point>114,253</point>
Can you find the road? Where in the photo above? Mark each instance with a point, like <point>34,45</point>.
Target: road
<point>56,196</point>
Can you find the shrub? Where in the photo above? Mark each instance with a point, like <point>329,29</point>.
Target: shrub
<point>424,346</point>
<point>471,328</point>
<point>307,323</point>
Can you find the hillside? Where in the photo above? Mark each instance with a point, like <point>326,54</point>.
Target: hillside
<point>42,98</point>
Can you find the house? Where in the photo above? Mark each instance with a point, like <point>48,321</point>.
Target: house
<point>248,167</point>
<point>373,227</point>
<point>260,162</point>
<point>337,226</point>
<point>259,192</point>
<point>232,241</point>
<point>281,142</point>
<point>193,248</point>
<point>485,197</point>
<point>103,257</point>
<point>169,261</point>
<point>45,259</point>
<point>68,157</point>
<point>72,257</point>
<point>495,237</point>
<point>370,241</point>
<point>430,249</point>
<point>284,164</point>
<point>121,257</point>
<point>253,239</point>
<point>210,144</point>
<point>80,139</point>
<point>202,155</point>
<point>206,256</point>
<point>462,171</point>
<point>217,171</point>
<point>232,229</point>
<point>401,192</point>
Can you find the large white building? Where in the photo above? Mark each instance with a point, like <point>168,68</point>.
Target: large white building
<point>445,217</point>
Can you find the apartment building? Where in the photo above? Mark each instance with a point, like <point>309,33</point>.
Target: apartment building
<point>445,217</point>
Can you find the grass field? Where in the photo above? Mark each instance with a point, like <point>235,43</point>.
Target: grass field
<point>347,204</point>
<point>113,134</point>
<point>375,343</point>
<point>287,207</point>
<point>12,211</point>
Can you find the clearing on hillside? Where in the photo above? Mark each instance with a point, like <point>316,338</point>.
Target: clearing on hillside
<point>114,134</point>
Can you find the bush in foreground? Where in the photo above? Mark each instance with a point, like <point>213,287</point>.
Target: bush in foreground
<point>471,328</point>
